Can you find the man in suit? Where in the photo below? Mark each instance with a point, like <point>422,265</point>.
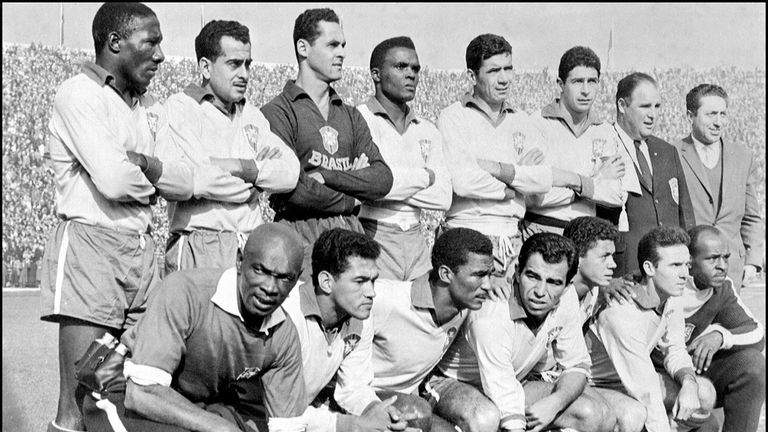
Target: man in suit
<point>657,193</point>
<point>722,181</point>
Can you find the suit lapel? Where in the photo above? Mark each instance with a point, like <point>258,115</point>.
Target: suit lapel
<point>730,162</point>
<point>688,151</point>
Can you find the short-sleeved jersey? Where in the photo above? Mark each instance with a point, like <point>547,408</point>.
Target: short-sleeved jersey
<point>407,343</point>
<point>193,338</point>
<point>329,147</point>
<point>496,350</point>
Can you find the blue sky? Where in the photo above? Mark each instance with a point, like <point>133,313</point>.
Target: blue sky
<point>646,35</point>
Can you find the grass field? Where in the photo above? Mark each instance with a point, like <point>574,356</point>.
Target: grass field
<point>30,363</point>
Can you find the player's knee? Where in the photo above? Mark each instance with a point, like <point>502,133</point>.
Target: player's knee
<point>409,404</point>
<point>707,393</point>
<point>753,368</point>
<point>483,418</point>
<point>590,415</point>
<point>631,417</point>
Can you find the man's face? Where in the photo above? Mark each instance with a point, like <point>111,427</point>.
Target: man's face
<point>353,289</point>
<point>140,53</point>
<point>326,56</point>
<point>471,283</point>
<point>710,119</point>
<point>266,277</point>
<point>641,110</point>
<point>540,285</point>
<point>399,74</point>
<point>669,275</point>
<point>596,266</point>
<point>579,90</point>
<point>493,79</point>
<point>709,264</point>
<point>228,76</point>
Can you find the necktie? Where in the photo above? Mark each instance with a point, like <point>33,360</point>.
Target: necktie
<point>645,169</point>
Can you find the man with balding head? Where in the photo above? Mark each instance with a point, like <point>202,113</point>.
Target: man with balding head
<point>214,350</point>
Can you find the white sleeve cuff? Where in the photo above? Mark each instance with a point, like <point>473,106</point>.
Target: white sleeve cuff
<point>287,424</point>
<point>727,336</point>
<point>320,420</point>
<point>146,375</point>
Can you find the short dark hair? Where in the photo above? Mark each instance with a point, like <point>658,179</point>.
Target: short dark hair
<point>381,50</point>
<point>453,247</point>
<point>334,247</point>
<point>118,18</point>
<point>693,98</point>
<point>575,57</point>
<point>208,42</point>
<point>659,237</point>
<point>306,25</point>
<point>628,84</point>
<point>586,231</point>
<point>696,232</point>
<point>554,248</point>
<point>484,47</point>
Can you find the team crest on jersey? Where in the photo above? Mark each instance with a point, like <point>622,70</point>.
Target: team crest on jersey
<point>552,334</point>
<point>689,331</point>
<point>425,145</point>
<point>518,143</point>
<point>252,134</point>
<point>330,139</point>
<point>152,120</point>
<point>350,343</point>
<point>674,190</point>
<point>451,334</point>
<point>248,373</point>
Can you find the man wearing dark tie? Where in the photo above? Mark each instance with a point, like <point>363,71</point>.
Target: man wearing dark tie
<point>656,191</point>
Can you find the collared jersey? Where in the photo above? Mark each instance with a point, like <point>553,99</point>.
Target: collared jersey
<point>193,338</point>
<point>91,129</point>
<point>469,134</point>
<point>496,350</point>
<point>407,343</point>
<point>195,132</point>
<point>339,356</point>
<point>621,338</point>
<point>580,154</point>
<point>329,147</point>
<point>407,154</point>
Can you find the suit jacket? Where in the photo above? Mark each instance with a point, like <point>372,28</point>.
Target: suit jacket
<point>738,217</point>
<point>667,202</point>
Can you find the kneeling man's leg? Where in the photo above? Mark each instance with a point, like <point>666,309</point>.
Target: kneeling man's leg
<point>411,404</point>
<point>701,419</point>
<point>588,412</point>
<point>463,405</point>
<point>630,413</point>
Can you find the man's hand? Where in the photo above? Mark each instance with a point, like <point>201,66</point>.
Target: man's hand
<point>619,290</point>
<point>541,414</point>
<point>501,288</point>
<point>612,168</point>
<point>360,162</point>
<point>533,156</point>
<point>509,193</point>
<point>267,153</point>
<point>245,169</point>
<point>317,177</point>
<point>137,159</point>
<point>750,273</point>
<point>383,416</point>
<point>687,399</point>
<point>431,176</point>
<point>703,348</point>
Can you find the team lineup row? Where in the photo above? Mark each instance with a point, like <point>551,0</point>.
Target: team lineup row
<point>242,349</point>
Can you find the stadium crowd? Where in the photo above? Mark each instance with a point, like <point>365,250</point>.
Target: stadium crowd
<point>32,73</point>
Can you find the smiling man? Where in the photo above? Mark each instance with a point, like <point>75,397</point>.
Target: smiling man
<point>621,338</point>
<point>340,163</point>
<point>214,350</point>
<point>722,180</point>
<point>236,159</point>
<point>413,148</point>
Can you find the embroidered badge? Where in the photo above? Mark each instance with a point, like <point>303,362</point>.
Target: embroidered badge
<point>673,189</point>
<point>330,139</point>
<point>552,334</point>
<point>248,373</point>
<point>252,134</point>
<point>451,335</point>
<point>425,145</point>
<point>518,143</point>
<point>152,120</point>
<point>689,331</point>
<point>350,343</point>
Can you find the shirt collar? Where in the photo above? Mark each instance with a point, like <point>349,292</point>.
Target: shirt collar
<point>103,77</point>
<point>626,138</point>
<point>421,293</point>
<point>226,297</point>
<point>200,94</point>
<point>294,92</point>
<point>646,296</point>
<point>556,111</point>
<point>308,300</point>
<point>516,309</point>
<point>377,109</point>
<point>469,99</point>
<point>701,147</point>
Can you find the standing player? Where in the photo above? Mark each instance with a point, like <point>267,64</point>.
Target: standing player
<point>413,148</point>
<point>493,156</point>
<point>331,315</point>
<point>575,138</point>
<point>340,163</point>
<point>722,181</point>
<point>415,322</point>
<point>622,336</point>
<point>99,264</point>
<point>236,158</point>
